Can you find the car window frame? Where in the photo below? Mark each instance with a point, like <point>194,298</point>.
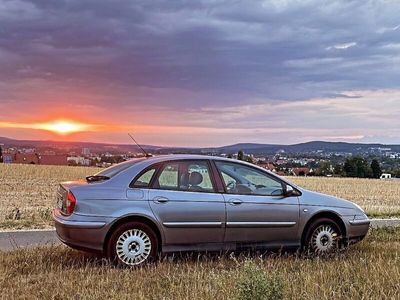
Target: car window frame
<point>221,179</point>
<point>157,176</point>
<point>155,166</point>
<point>160,167</point>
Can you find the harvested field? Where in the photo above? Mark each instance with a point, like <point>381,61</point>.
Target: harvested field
<point>27,193</point>
<point>369,270</point>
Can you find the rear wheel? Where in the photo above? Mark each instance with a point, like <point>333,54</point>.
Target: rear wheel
<point>132,244</point>
<point>323,237</point>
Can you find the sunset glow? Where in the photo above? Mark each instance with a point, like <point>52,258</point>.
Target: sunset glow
<point>64,127</point>
<point>61,127</point>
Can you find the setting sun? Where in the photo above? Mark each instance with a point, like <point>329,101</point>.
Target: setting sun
<point>64,126</point>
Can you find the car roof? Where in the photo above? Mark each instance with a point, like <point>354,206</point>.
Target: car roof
<point>161,158</point>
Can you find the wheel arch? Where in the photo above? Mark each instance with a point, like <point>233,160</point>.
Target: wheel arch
<point>134,218</point>
<point>324,214</point>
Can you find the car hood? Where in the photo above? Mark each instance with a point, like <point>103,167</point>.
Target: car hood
<point>314,198</point>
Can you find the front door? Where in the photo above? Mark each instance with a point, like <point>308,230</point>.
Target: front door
<point>184,201</point>
<point>256,209</point>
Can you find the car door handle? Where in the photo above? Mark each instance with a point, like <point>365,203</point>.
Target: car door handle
<point>160,200</point>
<point>235,202</point>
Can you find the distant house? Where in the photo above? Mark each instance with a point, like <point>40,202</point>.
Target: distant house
<point>280,161</point>
<point>26,158</point>
<point>85,151</point>
<point>57,160</point>
<point>8,158</point>
<point>300,171</point>
<point>78,161</point>
<point>267,165</point>
<point>35,159</point>
<point>281,173</point>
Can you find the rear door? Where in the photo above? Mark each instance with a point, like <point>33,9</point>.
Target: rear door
<point>256,209</point>
<point>183,199</point>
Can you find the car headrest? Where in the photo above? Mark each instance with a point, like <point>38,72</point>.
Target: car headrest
<point>195,178</point>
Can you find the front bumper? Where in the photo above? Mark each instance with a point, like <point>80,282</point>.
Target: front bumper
<point>86,233</point>
<point>357,229</point>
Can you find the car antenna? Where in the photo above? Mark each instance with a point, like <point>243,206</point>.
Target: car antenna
<point>145,153</point>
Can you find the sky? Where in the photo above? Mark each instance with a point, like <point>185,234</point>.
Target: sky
<point>200,73</point>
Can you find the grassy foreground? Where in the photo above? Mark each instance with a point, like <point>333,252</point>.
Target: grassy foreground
<point>369,270</point>
<point>27,193</point>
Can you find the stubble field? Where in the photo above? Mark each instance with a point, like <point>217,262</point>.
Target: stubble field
<point>369,270</point>
<point>27,193</point>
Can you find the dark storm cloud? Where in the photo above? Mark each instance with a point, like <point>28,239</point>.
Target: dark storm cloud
<point>198,53</point>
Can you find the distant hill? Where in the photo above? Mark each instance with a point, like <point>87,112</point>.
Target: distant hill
<point>70,146</point>
<point>305,147</point>
<point>252,148</point>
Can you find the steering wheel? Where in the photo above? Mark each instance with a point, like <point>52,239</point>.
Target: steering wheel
<point>231,185</point>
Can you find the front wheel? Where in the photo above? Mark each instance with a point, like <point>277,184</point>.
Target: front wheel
<point>323,237</point>
<point>132,244</point>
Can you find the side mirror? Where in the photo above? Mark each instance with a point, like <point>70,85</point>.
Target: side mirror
<point>289,191</point>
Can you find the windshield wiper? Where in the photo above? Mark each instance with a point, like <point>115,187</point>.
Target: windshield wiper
<point>95,178</point>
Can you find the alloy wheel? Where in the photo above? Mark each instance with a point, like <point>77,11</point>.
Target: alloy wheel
<point>133,247</point>
<point>324,239</point>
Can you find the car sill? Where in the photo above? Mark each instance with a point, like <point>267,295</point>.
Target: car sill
<point>260,224</point>
<point>192,224</point>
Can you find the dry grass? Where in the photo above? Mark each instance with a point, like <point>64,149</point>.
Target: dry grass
<point>369,270</point>
<point>27,193</point>
<point>377,197</point>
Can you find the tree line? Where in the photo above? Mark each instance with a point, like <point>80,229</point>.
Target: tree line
<point>353,167</point>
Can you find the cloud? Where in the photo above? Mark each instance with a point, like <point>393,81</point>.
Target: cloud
<point>342,46</point>
<point>102,59</point>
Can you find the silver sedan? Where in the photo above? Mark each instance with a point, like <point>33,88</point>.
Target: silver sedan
<point>135,210</point>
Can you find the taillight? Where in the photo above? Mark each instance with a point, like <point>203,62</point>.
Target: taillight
<point>70,204</point>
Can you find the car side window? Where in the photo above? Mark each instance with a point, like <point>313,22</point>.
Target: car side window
<point>244,180</point>
<point>168,178</point>
<point>144,180</point>
<point>196,177</point>
<point>191,176</point>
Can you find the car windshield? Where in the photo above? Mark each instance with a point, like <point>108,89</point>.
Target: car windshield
<point>118,168</point>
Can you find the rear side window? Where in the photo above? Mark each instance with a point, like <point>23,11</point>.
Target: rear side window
<point>144,180</point>
<point>168,178</point>
<point>191,176</point>
<point>199,179</point>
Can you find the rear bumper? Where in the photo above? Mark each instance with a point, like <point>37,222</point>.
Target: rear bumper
<point>80,234</point>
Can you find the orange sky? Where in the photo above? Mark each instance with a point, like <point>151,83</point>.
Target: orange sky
<point>279,122</point>
<point>200,74</point>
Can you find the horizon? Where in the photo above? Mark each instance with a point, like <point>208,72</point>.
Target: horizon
<point>200,74</point>
<point>191,147</point>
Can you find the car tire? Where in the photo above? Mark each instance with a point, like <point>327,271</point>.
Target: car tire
<point>323,237</point>
<point>132,244</point>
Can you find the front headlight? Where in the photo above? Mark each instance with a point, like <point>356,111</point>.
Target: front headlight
<point>359,208</point>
